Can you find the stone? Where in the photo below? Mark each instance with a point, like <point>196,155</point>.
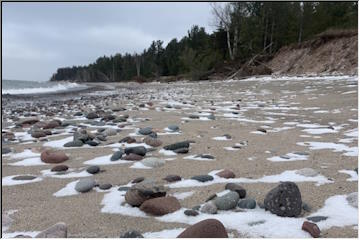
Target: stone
<point>127,140</point>
<point>123,189</point>
<point>60,168</point>
<point>227,136</point>
<point>52,124</point>
<point>160,206</point>
<point>194,116</point>
<point>153,142</point>
<point>227,201</point>
<point>85,185</point>
<point>38,134</point>
<point>76,143</point>
<point>143,191</point>
<point>236,188</point>
<point>356,170</point>
<point>140,150</point>
<point>92,143</point>
<point>105,186</point>
<point>93,169</point>
<point>173,128</point>
<point>24,178</point>
<point>101,137</point>
<point>137,180</point>
<point>311,228</point>
<point>352,199</point>
<point>209,208</point>
<point>82,135</point>
<point>110,132</point>
<point>92,115</point>
<point>145,131</point>
<point>307,172</point>
<point>211,197</point>
<point>174,146</point>
<point>306,207</point>
<point>211,117</point>
<point>153,135</point>
<point>226,173</point>
<point>203,178</point>
<point>247,203</point>
<point>133,157</point>
<point>261,130</point>
<point>59,230</point>
<point>117,155</point>
<point>28,121</point>
<point>317,218</point>
<point>48,156</point>
<point>209,228</point>
<point>181,150</point>
<point>153,162</point>
<point>172,178</point>
<point>5,150</point>
<point>284,200</point>
<point>131,234</point>
<point>191,212</point>
<point>207,156</point>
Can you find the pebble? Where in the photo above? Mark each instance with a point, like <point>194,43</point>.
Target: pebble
<point>317,218</point>
<point>123,189</point>
<point>181,150</point>
<point>117,155</point>
<point>209,228</point>
<point>76,143</point>
<point>105,186</point>
<point>226,173</point>
<point>247,203</point>
<point>137,180</point>
<point>93,169</point>
<point>352,199</point>
<point>145,131</point>
<point>173,128</point>
<point>236,188</point>
<point>24,177</point>
<point>131,234</point>
<point>227,201</point>
<point>207,156</point>
<point>311,228</point>
<point>160,206</point>
<point>307,172</point>
<point>85,185</point>
<point>92,115</point>
<point>132,157</point>
<point>174,146</point>
<point>203,178</point>
<point>48,156</point>
<point>59,230</point>
<point>60,168</point>
<point>153,162</point>
<point>261,130</point>
<point>140,150</point>
<point>152,141</point>
<point>5,150</point>
<point>172,178</point>
<point>191,212</point>
<point>209,208</point>
<point>110,132</point>
<point>91,143</point>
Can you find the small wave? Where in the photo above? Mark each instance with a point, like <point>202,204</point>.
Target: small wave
<point>60,87</point>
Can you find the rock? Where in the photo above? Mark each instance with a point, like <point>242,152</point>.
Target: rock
<point>173,128</point>
<point>261,130</point>
<point>172,178</point>
<point>24,178</point>
<point>27,121</point>
<point>174,146</point>
<point>306,207</point>
<point>105,186</point>
<point>5,150</point>
<point>203,178</point>
<point>140,150</point>
<point>52,124</point>
<point>153,135</point>
<point>85,185</point>
<point>91,143</point>
<point>284,200</point>
<point>76,143</point>
<point>131,234</point>
<point>302,153</point>
<point>192,116</point>
<point>123,189</point>
<point>191,212</point>
<point>207,156</point>
<point>127,140</point>
<point>160,206</point>
<point>132,157</point>
<point>307,172</point>
<point>226,173</point>
<point>152,141</point>
<point>209,228</point>
<point>110,132</point>
<point>153,162</point>
<point>227,136</point>
<point>117,155</point>
<point>60,168</point>
<point>137,180</point>
<point>209,208</point>
<point>247,203</point>
<point>93,169</point>
<point>143,191</point>
<point>38,134</point>
<point>145,131</point>
<point>59,230</point>
<point>236,188</point>
<point>181,150</point>
<point>48,156</point>
<point>227,201</point>
<point>352,199</point>
<point>22,236</point>
<point>317,218</point>
<point>356,170</point>
<point>82,135</point>
<point>92,115</point>
<point>211,197</point>
<point>211,117</point>
<point>311,228</point>
<point>101,137</point>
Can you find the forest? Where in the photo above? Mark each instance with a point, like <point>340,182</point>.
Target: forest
<point>243,29</point>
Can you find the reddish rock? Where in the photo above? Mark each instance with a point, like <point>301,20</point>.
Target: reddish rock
<point>152,142</point>
<point>226,174</point>
<point>60,168</point>
<point>311,228</point>
<point>38,134</point>
<point>48,156</point>
<point>132,157</point>
<point>172,178</point>
<point>128,140</point>
<point>135,198</point>
<point>52,124</point>
<point>209,228</point>
<point>160,206</point>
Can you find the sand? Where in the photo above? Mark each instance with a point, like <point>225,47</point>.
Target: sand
<point>38,209</point>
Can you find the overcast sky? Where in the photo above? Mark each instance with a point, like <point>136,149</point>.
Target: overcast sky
<point>38,38</point>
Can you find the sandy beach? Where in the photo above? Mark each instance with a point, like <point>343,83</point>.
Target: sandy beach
<point>316,116</point>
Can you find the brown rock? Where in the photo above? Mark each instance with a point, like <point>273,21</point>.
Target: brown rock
<point>135,198</point>
<point>38,134</point>
<point>59,230</point>
<point>128,140</point>
<point>48,156</point>
<point>172,178</point>
<point>160,206</point>
<point>209,228</point>
<point>311,228</point>
<point>226,173</point>
<point>152,141</point>
<point>60,168</point>
<point>52,124</point>
<point>132,157</point>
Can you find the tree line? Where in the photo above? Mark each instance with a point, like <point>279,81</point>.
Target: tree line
<point>242,30</point>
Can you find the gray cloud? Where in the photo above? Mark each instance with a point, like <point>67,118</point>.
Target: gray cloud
<point>40,37</point>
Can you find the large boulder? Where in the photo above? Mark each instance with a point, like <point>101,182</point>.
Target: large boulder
<point>209,228</point>
<point>49,156</point>
<point>59,230</point>
<point>160,206</point>
<point>284,200</point>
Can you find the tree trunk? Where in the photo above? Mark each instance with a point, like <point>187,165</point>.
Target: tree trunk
<point>138,65</point>
<point>271,36</point>
<point>229,44</point>
<point>265,33</point>
<point>236,41</point>
<point>301,23</point>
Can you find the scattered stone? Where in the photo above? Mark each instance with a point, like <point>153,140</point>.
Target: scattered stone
<point>24,178</point>
<point>174,146</point>
<point>5,150</point>
<point>153,162</point>
<point>60,168</point>
<point>117,155</point>
<point>172,178</point>
<point>181,150</point>
<point>209,228</point>
<point>236,188</point>
<point>145,131</point>
<point>352,199</point>
<point>227,201</point>
<point>82,135</point>
<point>105,186</point>
<point>27,121</point>
<point>307,172</point>
<point>227,136</point>
<point>137,180</point>
<point>191,212</point>
<point>261,130</point>
<point>131,234</point>
<point>85,185</point>
<point>160,206</point>
<point>143,191</point>
<point>101,137</point>
<point>211,197</point>
<point>356,170</point>
<point>48,156</point>
<point>211,117</point>
<point>207,156</point>
<point>203,178</point>
<point>247,203</point>
<point>284,200</point>
<point>76,143</point>
<point>123,189</point>
<point>110,132</point>
<point>59,230</point>
<point>317,218</point>
<point>38,134</point>
<point>92,143</point>
<point>140,150</point>
<point>226,173</point>
<point>209,208</point>
<point>311,228</point>
<point>173,128</point>
<point>132,157</point>
<point>93,169</point>
<point>92,115</point>
<point>194,116</point>
<point>152,141</point>
<point>52,124</point>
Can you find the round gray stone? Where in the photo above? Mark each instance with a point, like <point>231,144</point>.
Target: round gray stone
<point>85,185</point>
<point>227,201</point>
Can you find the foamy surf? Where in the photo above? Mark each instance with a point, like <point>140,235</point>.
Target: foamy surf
<point>59,87</point>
